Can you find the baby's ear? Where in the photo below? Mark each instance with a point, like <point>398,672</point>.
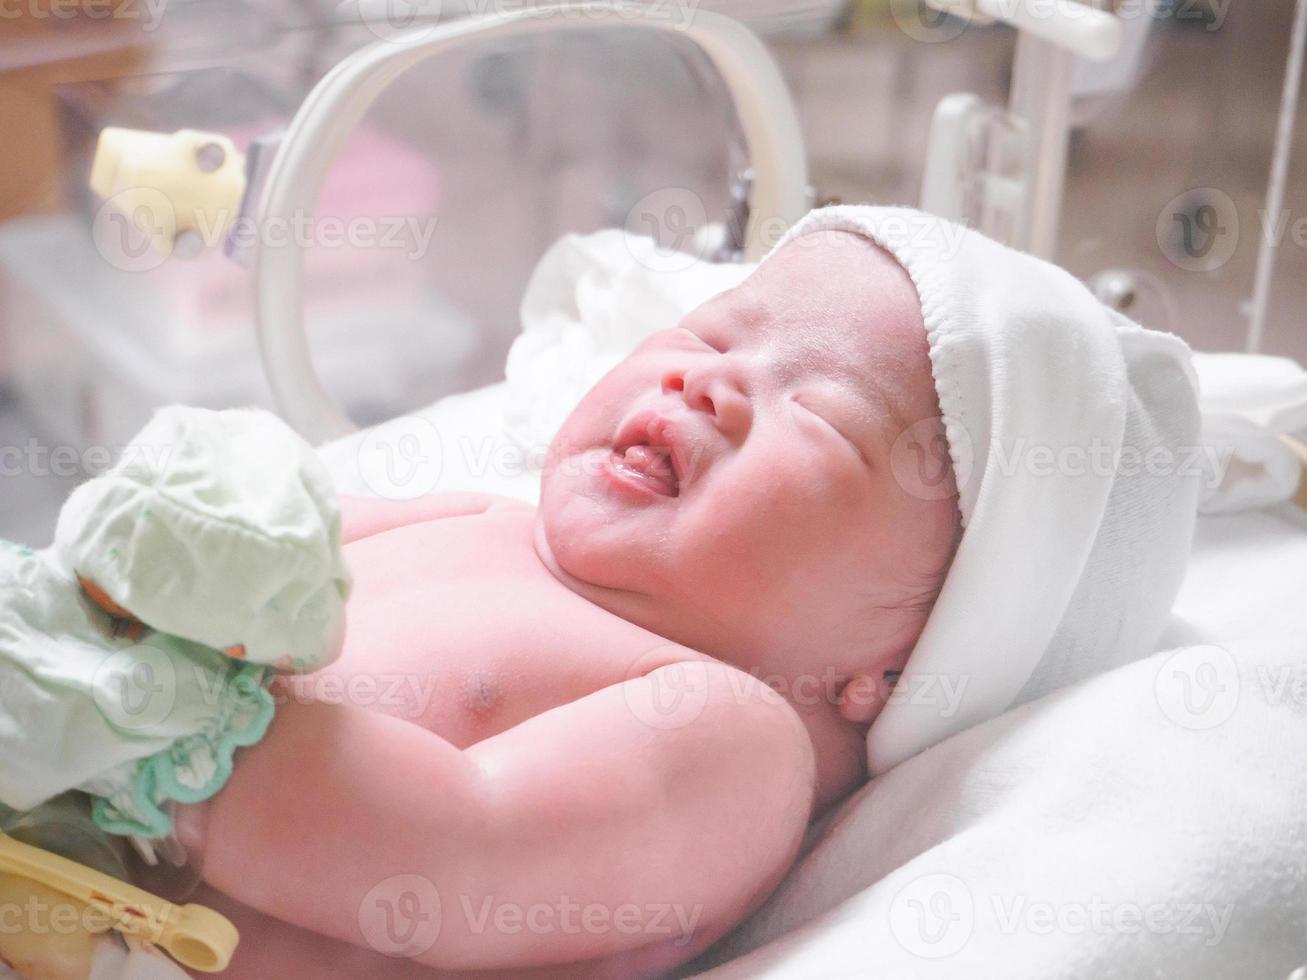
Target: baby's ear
<point>863,695</point>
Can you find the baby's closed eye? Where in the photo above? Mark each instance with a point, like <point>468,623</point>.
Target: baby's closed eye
<point>823,420</point>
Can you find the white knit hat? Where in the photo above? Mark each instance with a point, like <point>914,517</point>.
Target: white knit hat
<point>1073,434</point>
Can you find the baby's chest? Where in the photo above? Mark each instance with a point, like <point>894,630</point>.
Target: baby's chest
<point>455,625</point>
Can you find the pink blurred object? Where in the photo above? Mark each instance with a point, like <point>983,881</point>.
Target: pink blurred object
<point>367,239</point>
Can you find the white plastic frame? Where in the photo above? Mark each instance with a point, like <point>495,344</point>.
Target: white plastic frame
<point>778,197</point>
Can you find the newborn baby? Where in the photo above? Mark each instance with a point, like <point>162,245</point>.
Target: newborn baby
<point>718,511</point>
<point>608,721</point>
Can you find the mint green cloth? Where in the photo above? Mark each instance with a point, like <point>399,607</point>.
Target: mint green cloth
<point>214,529</point>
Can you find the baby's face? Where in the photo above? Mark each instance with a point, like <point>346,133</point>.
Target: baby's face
<point>729,485</point>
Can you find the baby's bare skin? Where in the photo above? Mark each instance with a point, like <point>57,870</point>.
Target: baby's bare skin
<point>561,791</point>
<point>574,708</point>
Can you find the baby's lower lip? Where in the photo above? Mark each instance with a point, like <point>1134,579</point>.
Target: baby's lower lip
<point>643,469</point>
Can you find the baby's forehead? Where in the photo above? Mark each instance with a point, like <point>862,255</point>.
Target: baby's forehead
<point>830,303</point>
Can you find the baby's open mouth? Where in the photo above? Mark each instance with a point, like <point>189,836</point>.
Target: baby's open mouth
<point>651,466</point>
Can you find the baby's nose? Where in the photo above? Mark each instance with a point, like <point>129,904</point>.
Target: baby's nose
<point>716,393</point>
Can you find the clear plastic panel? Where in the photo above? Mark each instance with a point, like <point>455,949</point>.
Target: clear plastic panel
<point>476,161</point>
<point>1167,181</point>
<point>431,220</point>
<point>1175,141</point>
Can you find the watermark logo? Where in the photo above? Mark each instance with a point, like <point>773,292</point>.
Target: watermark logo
<point>34,458</point>
<point>671,217</point>
<point>138,229</point>
<point>401,458</point>
<point>1202,921</point>
<point>922,464</point>
<point>1198,230</point>
<point>569,917</point>
<point>135,688</point>
<point>149,13</point>
<point>933,916</point>
<point>400,916</point>
<point>130,226</point>
<point>922,22</point>
<point>391,20</point>
<point>417,20</point>
<point>665,695</point>
<point>1198,687</point>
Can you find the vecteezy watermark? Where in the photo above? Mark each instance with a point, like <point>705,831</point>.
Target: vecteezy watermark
<point>922,463</point>
<point>1098,458</point>
<point>934,458</point>
<point>925,23</point>
<point>138,229</point>
<point>141,687</point>
<point>401,458</point>
<point>672,218</point>
<point>933,915</point>
<point>665,691</point>
<point>1198,687</point>
<point>39,916</point>
<point>930,24</point>
<point>412,21</point>
<point>403,916</point>
<point>408,456</point>
<point>35,458</point>
<point>669,230</point>
<point>1283,685</point>
<point>401,694</point>
<point>1274,228</point>
<point>136,688</point>
<point>676,221</point>
<point>896,231</point>
<point>148,13</point>
<point>1202,921</point>
<point>568,917</point>
<point>1198,229</point>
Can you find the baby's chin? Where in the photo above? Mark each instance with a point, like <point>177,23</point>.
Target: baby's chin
<point>579,543</point>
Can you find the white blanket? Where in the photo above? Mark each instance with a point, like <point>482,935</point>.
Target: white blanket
<point>1150,822</point>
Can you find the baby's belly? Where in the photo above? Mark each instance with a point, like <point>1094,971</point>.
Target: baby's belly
<point>456,626</point>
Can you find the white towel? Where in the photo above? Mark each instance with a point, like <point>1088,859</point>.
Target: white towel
<point>1074,437</point>
<point>1147,823</point>
<point>1248,402</point>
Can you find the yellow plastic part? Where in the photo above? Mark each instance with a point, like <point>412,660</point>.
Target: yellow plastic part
<point>171,185</point>
<point>195,936</point>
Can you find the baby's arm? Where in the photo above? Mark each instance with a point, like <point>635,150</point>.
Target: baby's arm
<point>646,811</point>
<point>362,517</point>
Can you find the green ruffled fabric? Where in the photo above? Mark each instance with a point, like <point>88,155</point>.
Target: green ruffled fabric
<point>134,800</point>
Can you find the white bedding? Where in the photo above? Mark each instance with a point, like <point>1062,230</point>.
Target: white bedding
<point>1149,822</point>
<point>1113,829</point>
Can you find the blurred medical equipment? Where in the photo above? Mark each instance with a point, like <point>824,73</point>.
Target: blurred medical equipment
<point>1279,175</point>
<point>1002,171</point>
<point>195,936</point>
<point>286,172</point>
